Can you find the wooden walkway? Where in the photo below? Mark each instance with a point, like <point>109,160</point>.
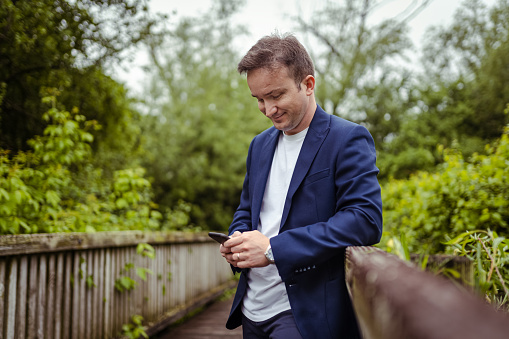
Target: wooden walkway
<point>209,324</point>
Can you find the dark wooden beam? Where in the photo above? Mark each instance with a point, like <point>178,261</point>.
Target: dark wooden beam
<point>393,299</point>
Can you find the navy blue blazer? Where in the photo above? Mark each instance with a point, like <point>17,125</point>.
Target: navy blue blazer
<point>333,201</point>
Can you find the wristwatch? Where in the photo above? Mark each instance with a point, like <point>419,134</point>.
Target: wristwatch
<point>269,255</point>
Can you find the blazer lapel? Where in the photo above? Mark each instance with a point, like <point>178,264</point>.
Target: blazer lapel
<point>318,130</point>
<point>265,163</point>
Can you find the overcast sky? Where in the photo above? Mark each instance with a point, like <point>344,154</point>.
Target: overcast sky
<point>263,17</point>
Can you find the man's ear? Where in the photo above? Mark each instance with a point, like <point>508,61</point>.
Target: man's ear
<point>309,83</point>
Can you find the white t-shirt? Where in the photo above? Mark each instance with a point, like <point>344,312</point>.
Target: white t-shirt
<point>266,293</point>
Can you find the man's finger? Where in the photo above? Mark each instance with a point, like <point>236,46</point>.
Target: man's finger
<point>234,241</point>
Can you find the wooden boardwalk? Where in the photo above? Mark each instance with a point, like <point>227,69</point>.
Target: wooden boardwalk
<point>209,324</point>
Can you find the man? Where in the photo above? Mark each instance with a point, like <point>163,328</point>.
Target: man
<point>310,191</point>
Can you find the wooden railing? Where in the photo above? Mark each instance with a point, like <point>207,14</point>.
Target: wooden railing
<point>63,285</point>
<point>394,299</point>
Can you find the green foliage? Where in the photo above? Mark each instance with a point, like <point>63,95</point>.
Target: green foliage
<point>201,118</point>
<point>466,198</point>
<point>142,272</point>
<point>134,329</point>
<point>31,183</point>
<point>490,254</point>
<point>356,76</point>
<point>123,282</point>
<point>90,281</point>
<point>39,192</point>
<point>460,196</point>
<point>460,97</point>
<point>146,250</point>
<point>62,44</point>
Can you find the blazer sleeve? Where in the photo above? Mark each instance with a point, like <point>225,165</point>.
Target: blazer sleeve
<point>356,213</point>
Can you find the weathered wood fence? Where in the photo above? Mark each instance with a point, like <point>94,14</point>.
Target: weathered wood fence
<point>63,285</point>
<point>395,300</point>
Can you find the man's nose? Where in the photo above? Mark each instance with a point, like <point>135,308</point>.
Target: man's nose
<point>270,109</point>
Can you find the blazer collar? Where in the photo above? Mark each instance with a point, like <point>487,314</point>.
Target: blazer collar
<point>266,156</point>
<point>318,130</point>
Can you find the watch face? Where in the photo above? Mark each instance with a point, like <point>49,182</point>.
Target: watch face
<point>269,255</point>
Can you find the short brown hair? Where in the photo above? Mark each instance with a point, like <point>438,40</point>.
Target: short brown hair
<point>274,51</point>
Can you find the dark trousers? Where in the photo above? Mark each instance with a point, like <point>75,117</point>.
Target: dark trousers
<point>280,326</point>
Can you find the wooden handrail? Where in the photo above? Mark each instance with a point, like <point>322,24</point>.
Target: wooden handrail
<point>55,242</point>
<point>394,299</point>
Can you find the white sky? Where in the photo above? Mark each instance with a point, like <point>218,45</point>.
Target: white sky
<point>263,17</point>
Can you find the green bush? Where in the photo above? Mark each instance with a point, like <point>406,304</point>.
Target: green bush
<point>460,209</point>
<point>459,197</point>
<point>55,187</point>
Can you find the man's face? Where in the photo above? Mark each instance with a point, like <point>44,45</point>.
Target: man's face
<point>279,98</point>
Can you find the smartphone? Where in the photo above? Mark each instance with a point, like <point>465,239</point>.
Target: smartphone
<point>219,237</point>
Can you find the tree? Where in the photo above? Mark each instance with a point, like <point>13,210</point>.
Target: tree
<point>65,45</point>
<point>462,93</point>
<point>40,193</point>
<point>201,117</point>
<point>359,65</point>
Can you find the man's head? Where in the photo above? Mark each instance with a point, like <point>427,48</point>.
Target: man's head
<point>280,76</point>
<point>273,52</point>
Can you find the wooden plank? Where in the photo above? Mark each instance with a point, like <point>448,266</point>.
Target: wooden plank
<point>126,297</point>
<point>165,277</point>
<point>90,291</point>
<point>59,295</point>
<point>50,304</point>
<point>96,306</point>
<point>11,299</point>
<point>76,301</point>
<point>119,295</point>
<point>173,285</point>
<point>3,289</point>
<point>21,293</point>
<point>41,296</point>
<point>157,263</point>
<point>68,295</point>
<point>33,282</point>
<point>137,298</point>
<point>108,269</point>
<point>116,295</point>
<point>82,295</point>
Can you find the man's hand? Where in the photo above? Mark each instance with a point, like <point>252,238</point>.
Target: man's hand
<point>226,252</point>
<point>246,250</point>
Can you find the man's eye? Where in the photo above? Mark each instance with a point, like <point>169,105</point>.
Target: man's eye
<point>275,97</point>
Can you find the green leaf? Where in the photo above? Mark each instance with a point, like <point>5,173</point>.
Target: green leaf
<point>90,281</point>
<point>145,250</point>
<point>142,272</point>
<point>121,203</point>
